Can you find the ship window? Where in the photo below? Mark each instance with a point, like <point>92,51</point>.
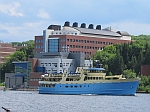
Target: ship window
<point>66,86</point>
<point>71,86</point>
<point>85,78</point>
<point>80,86</point>
<point>75,86</point>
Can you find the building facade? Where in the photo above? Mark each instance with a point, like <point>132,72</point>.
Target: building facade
<point>5,50</point>
<point>29,72</point>
<point>78,39</point>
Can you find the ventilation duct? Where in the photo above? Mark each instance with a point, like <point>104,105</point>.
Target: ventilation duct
<point>67,23</point>
<point>75,24</point>
<point>98,27</point>
<point>91,26</point>
<point>83,25</point>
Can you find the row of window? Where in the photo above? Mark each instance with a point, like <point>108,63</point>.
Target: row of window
<point>85,47</point>
<point>35,79</point>
<point>39,46</point>
<point>93,78</point>
<point>69,86</point>
<point>88,41</point>
<point>48,71</point>
<point>38,41</point>
<point>55,64</point>
<point>57,33</point>
<point>80,51</point>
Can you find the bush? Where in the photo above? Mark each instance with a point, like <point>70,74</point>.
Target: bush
<point>147,90</point>
<point>1,84</point>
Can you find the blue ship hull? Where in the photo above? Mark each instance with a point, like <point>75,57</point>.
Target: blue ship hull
<point>102,88</point>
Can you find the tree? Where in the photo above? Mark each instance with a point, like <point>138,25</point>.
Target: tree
<point>129,74</point>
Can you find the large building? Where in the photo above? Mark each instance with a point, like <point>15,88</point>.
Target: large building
<point>28,73</point>
<point>78,39</point>
<point>5,50</point>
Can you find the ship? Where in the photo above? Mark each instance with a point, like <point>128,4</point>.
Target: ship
<point>85,81</point>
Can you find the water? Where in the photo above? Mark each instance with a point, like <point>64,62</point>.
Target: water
<point>31,101</point>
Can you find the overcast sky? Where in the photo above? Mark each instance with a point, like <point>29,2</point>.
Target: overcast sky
<point>21,20</point>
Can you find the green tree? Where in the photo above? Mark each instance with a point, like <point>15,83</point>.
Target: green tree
<point>129,74</point>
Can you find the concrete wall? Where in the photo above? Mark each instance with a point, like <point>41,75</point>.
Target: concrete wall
<point>12,81</point>
<point>78,57</point>
<point>54,64</point>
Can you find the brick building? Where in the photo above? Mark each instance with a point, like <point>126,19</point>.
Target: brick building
<point>5,50</point>
<point>78,39</point>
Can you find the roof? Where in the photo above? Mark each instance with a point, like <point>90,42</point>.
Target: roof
<point>123,33</point>
<point>97,32</point>
<point>95,69</point>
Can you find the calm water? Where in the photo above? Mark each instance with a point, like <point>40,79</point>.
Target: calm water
<point>31,101</point>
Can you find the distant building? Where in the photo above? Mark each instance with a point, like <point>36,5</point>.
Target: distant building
<point>76,39</point>
<point>5,50</point>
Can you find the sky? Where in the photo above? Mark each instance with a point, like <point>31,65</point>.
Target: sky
<point>22,20</point>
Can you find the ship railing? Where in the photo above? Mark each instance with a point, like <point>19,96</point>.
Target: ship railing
<point>74,74</point>
<point>114,77</point>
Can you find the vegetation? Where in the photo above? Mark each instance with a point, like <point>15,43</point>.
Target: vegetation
<point>26,43</point>
<point>127,59</point>
<point>145,84</point>
<point>20,55</point>
<point>1,84</point>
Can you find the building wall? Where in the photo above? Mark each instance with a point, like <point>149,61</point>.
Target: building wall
<point>38,44</point>
<point>79,58</point>
<point>145,70</point>
<point>54,64</point>
<point>12,81</point>
<point>34,78</point>
<point>5,50</point>
<point>88,45</point>
<point>34,62</point>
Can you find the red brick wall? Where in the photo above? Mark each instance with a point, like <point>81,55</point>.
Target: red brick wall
<point>90,49</point>
<point>39,38</point>
<point>34,76</point>
<point>34,62</point>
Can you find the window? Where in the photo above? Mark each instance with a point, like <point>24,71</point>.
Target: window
<point>75,86</point>
<point>53,45</point>
<point>54,64</point>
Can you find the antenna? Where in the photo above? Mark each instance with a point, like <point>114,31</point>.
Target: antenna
<point>62,64</point>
